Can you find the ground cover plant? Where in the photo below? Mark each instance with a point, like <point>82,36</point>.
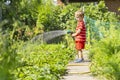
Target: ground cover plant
<point>26,61</point>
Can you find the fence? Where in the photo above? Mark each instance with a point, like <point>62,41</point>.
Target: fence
<point>98,29</point>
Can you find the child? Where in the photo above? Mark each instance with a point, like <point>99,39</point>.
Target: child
<point>80,35</point>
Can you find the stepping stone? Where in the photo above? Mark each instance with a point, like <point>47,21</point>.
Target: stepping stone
<point>79,77</point>
<point>78,69</point>
<point>79,64</point>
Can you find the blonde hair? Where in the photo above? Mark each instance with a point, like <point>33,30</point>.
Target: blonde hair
<point>79,13</point>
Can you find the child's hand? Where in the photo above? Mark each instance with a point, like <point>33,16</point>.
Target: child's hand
<point>76,33</point>
<point>73,35</point>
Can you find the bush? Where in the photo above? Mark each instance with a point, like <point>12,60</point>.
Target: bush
<point>105,57</point>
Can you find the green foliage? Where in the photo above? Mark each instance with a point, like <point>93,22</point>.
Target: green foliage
<point>23,60</point>
<point>103,33</point>
<point>99,12</point>
<point>55,17</point>
<point>28,61</point>
<point>105,57</point>
<point>46,16</point>
<point>7,56</point>
<point>21,16</point>
<point>43,62</point>
<point>99,21</point>
<point>21,10</point>
<point>23,19</point>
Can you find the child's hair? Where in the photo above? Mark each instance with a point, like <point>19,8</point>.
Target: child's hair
<point>79,13</point>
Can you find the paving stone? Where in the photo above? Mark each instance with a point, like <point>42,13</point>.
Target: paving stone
<point>79,64</point>
<point>79,77</point>
<point>78,69</point>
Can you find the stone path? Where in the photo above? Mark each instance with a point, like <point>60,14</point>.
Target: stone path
<point>79,71</point>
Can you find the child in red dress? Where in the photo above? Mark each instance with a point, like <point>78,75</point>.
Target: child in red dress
<point>80,35</point>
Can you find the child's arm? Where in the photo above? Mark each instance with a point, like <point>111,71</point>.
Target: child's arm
<point>75,34</point>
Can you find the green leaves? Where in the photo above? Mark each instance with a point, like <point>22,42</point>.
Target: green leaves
<point>105,56</point>
<point>33,61</point>
<point>43,62</point>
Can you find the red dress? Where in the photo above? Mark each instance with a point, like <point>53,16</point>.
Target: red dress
<point>80,38</point>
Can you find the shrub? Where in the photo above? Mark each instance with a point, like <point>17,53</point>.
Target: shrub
<point>105,57</point>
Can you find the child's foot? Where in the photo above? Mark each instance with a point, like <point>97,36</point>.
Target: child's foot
<point>78,60</point>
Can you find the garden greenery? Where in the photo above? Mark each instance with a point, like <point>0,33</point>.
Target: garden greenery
<point>105,57</point>
<point>23,19</point>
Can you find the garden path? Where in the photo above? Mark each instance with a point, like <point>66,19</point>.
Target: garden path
<point>79,71</point>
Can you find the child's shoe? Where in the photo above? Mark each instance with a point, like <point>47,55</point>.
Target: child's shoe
<point>78,60</point>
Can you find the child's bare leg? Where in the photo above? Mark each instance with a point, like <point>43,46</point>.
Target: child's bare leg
<point>80,54</point>
<point>80,57</point>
